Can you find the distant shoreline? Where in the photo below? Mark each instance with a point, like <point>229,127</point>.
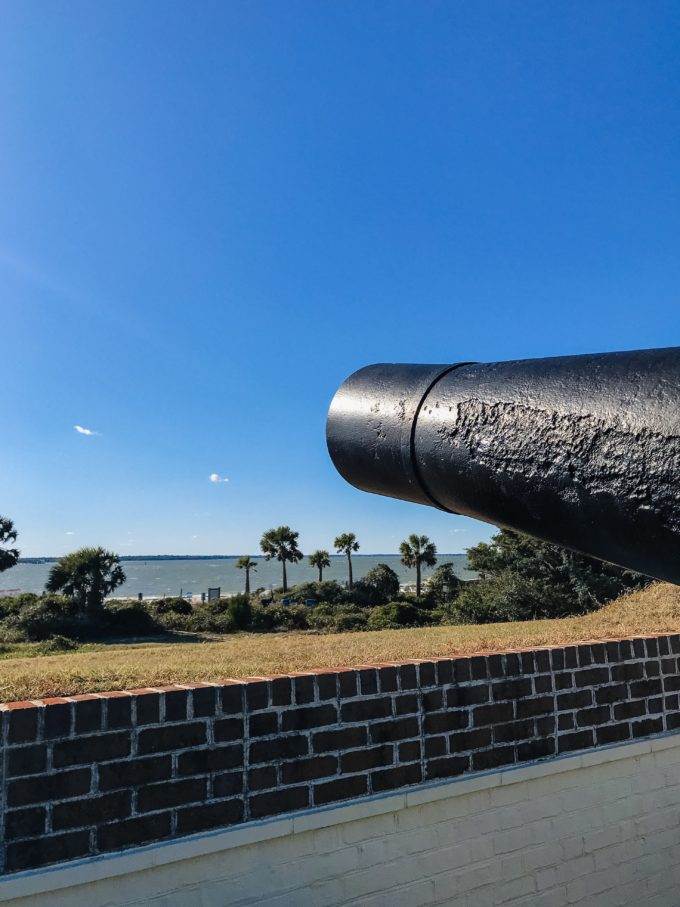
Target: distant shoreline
<point>214,557</point>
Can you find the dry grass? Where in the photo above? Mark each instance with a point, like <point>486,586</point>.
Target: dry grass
<point>126,666</point>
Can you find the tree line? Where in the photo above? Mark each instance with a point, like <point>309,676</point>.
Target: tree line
<point>90,574</point>
<point>281,544</point>
<point>519,577</point>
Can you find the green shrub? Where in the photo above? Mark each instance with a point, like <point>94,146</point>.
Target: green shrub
<point>522,578</point>
<point>261,619</point>
<point>380,585</point>
<point>509,597</point>
<point>175,605</point>
<point>349,619</point>
<point>46,616</point>
<point>443,586</point>
<point>240,611</point>
<point>206,618</point>
<point>268,618</point>
<point>10,635</point>
<point>394,615</point>
<point>128,617</point>
<point>290,617</point>
<point>328,591</point>
<point>12,604</point>
<point>337,618</point>
<point>322,616</point>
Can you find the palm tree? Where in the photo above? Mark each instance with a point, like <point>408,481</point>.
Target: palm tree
<point>415,551</point>
<point>281,543</point>
<point>320,560</point>
<point>87,575</point>
<point>246,563</point>
<point>346,544</point>
<point>8,556</point>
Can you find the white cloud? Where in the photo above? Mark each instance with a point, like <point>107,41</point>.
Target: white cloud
<point>216,478</point>
<point>194,536</point>
<point>69,532</point>
<point>85,431</point>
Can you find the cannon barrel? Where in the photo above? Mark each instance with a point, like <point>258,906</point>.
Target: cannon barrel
<point>582,451</point>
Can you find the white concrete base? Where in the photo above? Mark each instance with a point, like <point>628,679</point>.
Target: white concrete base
<point>600,828</point>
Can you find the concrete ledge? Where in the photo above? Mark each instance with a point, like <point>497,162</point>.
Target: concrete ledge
<point>92,869</point>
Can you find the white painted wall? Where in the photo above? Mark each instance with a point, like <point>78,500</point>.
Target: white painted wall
<point>601,829</point>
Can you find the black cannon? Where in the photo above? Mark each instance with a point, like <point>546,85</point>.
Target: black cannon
<point>582,451</point>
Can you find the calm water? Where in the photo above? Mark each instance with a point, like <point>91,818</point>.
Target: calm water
<point>194,576</point>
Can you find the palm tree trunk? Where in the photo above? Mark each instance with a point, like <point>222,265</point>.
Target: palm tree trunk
<point>417,579</point>
<point>320,574</point>
<point>247,580</point>
<point>349,565</point>
<point>285,579</point>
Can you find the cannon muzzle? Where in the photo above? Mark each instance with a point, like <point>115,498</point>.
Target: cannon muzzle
<point>582,451</point>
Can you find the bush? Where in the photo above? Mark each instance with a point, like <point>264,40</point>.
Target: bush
<point>509,597</point>
<point>328,591</point>
<point>127,618</point>
<point>290,617</point>
<point>209,622</point>
<point>261,619</point>
<point>267,618</point>
<point>240,611</point>
<point>337,618</point>
<point>380,585</point>
<point>394,615</point>
<point>443,586</point>
<point>523,578</point>
<point>171,606</point>
<point>12,604</point>
<point>46,616</point>
<point>348,619</point>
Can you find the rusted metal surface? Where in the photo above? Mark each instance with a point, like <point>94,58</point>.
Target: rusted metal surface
<point>583,451</point>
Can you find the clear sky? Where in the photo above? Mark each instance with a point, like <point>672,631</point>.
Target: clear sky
<point>212,212</point>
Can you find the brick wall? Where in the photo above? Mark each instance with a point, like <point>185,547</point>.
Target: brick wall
<point>97,773</point>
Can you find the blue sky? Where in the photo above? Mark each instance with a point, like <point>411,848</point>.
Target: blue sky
<point>212,213</point>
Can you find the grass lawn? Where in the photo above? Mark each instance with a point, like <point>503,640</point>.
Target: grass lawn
<point>25,674</point>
